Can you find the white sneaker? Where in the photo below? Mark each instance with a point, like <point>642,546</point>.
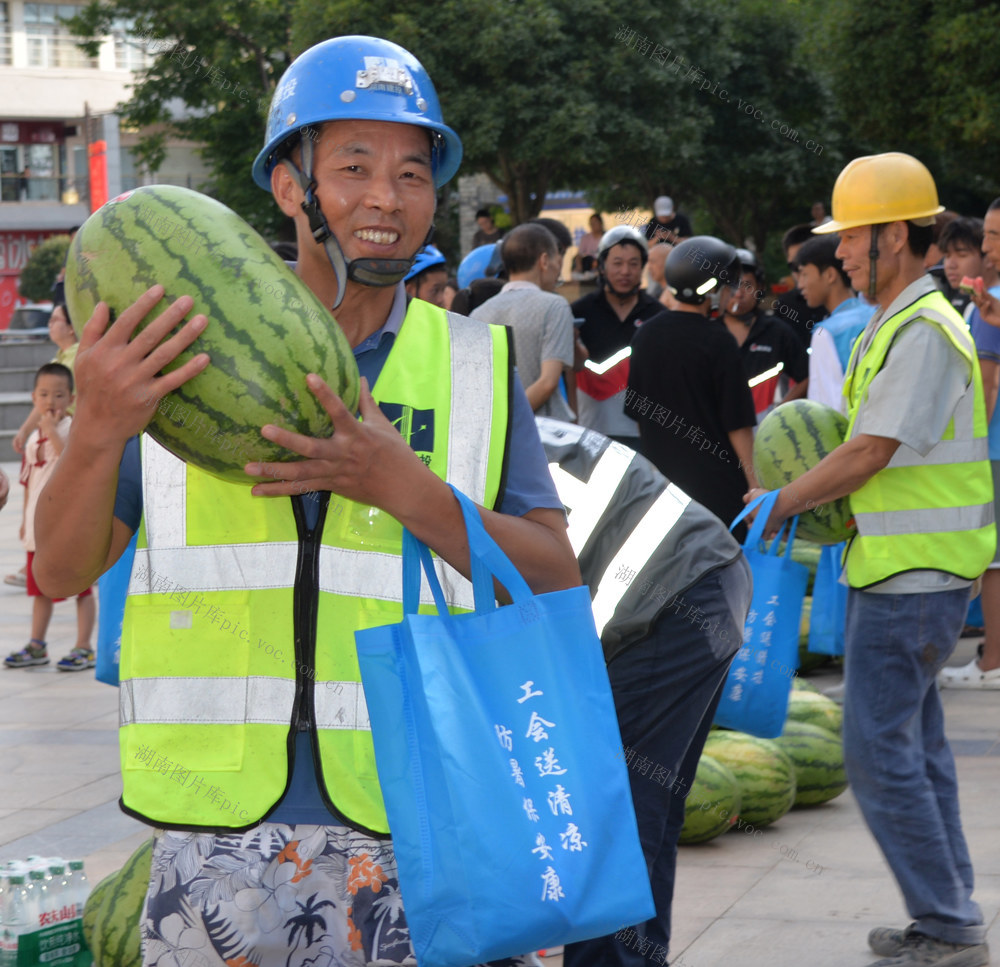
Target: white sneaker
<point>969,676</point>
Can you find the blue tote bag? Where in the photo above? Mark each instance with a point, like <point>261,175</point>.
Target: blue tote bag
<point>828,616</point>
<point>112,589</point>
<point>755,696</point>
<point>500,763</point>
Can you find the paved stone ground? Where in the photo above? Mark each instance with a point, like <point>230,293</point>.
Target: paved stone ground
<point>804,892</point>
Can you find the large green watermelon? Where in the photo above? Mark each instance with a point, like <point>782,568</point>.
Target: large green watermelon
<point>712,804</point>
<point>764,772</point>
<point>792,439</point>
<point>111,913</point>
<point>266,329</point>
<point>818,757</point>
<point>814,708</point>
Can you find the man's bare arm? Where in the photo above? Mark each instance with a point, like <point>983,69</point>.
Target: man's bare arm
<point>841,472</point>
<point>543,387</point>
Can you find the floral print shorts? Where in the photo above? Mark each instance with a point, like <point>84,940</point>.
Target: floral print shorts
<point>276,896</point>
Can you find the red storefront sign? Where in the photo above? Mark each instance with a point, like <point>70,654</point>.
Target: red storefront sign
<point>98,152</point>
<point>15,247</point>
<point>31,132</point>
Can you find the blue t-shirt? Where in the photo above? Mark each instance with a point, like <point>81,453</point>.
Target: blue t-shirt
<point>987,340</point>
<point>529,485</point>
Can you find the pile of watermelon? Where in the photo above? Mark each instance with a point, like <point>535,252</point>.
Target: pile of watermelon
<point>111,913</point>
<point>744,782</point>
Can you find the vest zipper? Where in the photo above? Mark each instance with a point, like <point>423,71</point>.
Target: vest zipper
<point>305,609</point>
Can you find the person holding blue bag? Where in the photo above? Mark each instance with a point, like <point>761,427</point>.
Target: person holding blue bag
<point>245,734</point>
<point>670,589</point>
<point>915,466</point>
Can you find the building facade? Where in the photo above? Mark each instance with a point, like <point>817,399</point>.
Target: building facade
<point>62,148</point>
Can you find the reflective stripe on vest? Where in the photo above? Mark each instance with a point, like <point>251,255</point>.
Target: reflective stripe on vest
<point>639,546</point>
<point>930,512</point>
<point>587,502</point>
<point>211,666</point>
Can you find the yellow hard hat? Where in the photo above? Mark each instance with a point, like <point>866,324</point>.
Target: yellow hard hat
<point>881,188</point>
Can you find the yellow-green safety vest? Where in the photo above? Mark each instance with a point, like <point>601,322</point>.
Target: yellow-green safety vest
<point>932,512</point>
<point>238,634</point>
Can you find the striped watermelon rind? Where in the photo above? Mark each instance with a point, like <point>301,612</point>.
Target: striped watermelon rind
<point>92,909</point>
<point>814,708</point>
<point>765,774</point>
<point>792,439</point>
<point>712,804</point>
<point>266,330</point>
<point>818,757</point>
<point>115,939</point>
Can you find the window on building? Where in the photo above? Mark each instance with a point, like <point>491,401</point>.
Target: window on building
<point>50,44</point>
<point>4,34</point>
<point>133,51</point>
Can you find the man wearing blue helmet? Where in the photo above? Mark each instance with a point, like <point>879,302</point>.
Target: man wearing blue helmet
<point>299,868</point>
<point>428,277</point>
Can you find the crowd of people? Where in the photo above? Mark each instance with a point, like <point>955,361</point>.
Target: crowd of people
<point>645,403</point>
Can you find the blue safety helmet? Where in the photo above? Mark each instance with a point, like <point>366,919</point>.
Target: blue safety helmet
<point>481,263</point>
<point>351,78</point>
<point>356,78</point>
<point>428,257</point>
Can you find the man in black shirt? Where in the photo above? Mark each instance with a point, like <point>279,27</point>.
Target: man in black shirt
<point>687,389</point>
<point>610,318</point>
<point>770,348</point>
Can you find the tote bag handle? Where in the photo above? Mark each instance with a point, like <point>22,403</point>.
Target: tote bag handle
<point>487,561</point>
<point>766,504</point>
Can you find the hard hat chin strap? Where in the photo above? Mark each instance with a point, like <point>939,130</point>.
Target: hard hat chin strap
<point>872,259</point>
<point>372,272</point>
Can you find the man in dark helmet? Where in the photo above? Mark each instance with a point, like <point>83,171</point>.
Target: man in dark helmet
<point>686,388</point>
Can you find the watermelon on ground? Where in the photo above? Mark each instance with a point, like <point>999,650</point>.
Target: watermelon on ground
<point>114,935</point>
<point>266,329</point>
<point>818,756</point>
<point>763,770</point>
<point>815,709</point>
<point>800,684</point>
<point>792,439</point>
<point>712,804</point>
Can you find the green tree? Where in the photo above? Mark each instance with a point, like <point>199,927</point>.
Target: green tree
<point>219,58</point>
<point>42,268</point>
<point>540,91</point>
<point>918,77</point>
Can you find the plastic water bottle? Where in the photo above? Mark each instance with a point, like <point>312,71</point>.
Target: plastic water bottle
<point>79,885</point>
<point>15,923</point>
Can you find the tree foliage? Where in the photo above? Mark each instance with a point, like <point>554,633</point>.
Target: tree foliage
<point>219,60</point>
<point>918,77</point>
<point>42,268</point>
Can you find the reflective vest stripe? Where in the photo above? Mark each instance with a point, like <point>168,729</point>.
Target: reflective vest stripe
<point>215,567</point>
<point>207,701</point>
<point>641,544</point>
<point>226,701</point>
<point>588,501</point>
<point>472,365</point>
<point>165,519</point>
<point>341,705</point>
<point>947,451</point>
<point>928,521</point>
<point>253,567</point>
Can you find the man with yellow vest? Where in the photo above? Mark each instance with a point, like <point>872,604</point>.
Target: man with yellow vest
<point>915,464</point>
<point>245,736</point>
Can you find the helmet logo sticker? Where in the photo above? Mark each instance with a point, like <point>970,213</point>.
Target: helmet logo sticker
<point>385,74</point>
